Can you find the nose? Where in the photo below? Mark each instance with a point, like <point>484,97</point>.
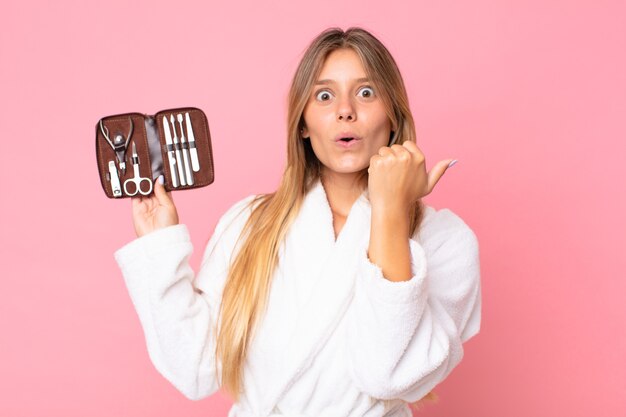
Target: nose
<point>345,110</point>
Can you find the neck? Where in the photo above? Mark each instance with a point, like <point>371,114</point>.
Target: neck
<point>342,190</point>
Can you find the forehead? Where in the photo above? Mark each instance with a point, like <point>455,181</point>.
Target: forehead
<point>342,64</point>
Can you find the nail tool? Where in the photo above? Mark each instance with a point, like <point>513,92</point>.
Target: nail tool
<point>179,159</point>
<point>137,179</point>
<point>195,164</point>
<point>115,179</point>
<point>183,143</point>
<point>170,152</point>
<point>119,144</point>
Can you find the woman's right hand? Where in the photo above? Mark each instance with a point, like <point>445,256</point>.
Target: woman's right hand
<point>154,211</point>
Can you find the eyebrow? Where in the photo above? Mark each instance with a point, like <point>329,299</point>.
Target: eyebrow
<point>327,81</point>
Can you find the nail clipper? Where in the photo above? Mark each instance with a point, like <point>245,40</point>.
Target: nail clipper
<point>119,144</point>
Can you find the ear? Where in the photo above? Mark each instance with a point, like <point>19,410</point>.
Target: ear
<point>304,132</point>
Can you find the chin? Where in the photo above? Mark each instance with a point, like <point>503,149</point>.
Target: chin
<point>348,169</point>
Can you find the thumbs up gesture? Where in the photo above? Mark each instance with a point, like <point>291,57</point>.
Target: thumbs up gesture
<point>398,177</point>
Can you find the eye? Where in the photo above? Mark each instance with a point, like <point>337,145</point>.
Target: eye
<point>366,92</point>
<point>323,95</point>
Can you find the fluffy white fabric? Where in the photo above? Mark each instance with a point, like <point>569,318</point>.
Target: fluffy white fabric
<point>338,339</point>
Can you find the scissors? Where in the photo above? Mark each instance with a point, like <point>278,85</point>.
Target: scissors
<point>137,180</point>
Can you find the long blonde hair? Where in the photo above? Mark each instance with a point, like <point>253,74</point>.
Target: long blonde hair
<point>249,280</point>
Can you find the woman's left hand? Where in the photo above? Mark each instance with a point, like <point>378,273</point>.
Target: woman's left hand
<point>398,177</point>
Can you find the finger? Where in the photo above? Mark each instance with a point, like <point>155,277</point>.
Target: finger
<point>375,160</point>
<point>385,150</point>
<point>136,202</point>
<point>162,196</point>
<point>412,147</point>
<point>436,173</point>
<point>402,152</point>
<point>138,205</point>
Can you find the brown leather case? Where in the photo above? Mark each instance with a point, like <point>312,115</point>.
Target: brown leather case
<point>147,134</point>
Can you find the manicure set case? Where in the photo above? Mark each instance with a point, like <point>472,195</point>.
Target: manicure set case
<point>134,149</point>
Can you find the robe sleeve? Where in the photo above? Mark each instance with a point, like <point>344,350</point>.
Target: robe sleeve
<point>404,338</point>
<point>177,309</point>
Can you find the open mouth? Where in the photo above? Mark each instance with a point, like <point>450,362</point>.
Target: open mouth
<point>348,141</point>
<point>347,138</point>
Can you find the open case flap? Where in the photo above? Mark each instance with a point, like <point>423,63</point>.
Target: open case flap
<point>154,147</point>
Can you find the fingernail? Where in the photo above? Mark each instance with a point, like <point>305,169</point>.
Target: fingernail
<point>452,163</point>
<point>161,180</point>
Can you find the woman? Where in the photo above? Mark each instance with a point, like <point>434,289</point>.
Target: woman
<point>339,294</point>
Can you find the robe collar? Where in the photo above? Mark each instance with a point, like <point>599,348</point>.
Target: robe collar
<point>316,205</point>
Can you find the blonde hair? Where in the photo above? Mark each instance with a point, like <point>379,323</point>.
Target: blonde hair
<point>249,279</point>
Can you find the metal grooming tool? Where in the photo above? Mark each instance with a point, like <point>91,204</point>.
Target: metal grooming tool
<point>137,179</point>
<point>183,143</point>
<point>179,159</point>
<point>195,163</point>
<point>115,179</point>
<point>119,144</point>
<point>170,152</point>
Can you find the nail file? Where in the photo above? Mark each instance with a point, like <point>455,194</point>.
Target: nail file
<point>183,143</point>
<point>170,152</point>
<point>195,163</point>
<point>115,180</point>
<point>179,160</point>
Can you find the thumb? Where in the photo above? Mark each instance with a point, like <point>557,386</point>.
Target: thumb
<point>437,172</point>
<point>163,197</point>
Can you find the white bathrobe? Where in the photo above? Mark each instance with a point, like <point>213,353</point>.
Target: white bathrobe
<point>338,339</point>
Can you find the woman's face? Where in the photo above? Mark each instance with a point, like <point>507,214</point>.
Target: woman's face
<point>344,103</point>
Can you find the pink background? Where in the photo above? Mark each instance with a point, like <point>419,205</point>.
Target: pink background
<point>529,96</point>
